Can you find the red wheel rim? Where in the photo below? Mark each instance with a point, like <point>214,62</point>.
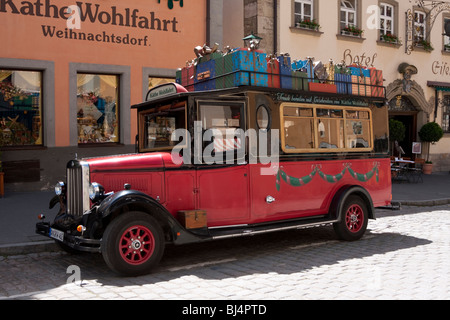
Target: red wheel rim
<point>354,218</point>
<point>137,245</point>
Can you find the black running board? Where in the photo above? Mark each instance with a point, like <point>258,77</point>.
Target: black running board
<point>255,229</point>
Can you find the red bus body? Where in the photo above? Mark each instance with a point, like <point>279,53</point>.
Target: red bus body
<point>232,195</point>
<point>332,167</point>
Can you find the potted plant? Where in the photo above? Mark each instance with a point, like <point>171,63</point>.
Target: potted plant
<point>352,31</point>
<point>430,133</point>
<point>390,38</point>
<point>308,24</point>
<point>426,45</point>
<point>396,132</point>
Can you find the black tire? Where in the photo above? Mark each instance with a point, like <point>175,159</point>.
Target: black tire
<point>133,244</point>
<point>353,219</point>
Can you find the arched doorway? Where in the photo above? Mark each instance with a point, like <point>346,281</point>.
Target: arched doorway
<point>402,109</point>
<point>408,105</point>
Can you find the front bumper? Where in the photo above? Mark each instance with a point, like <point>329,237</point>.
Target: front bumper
<point>75,242</point>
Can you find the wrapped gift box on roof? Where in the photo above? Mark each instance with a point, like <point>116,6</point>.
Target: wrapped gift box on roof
<point>376,80</point>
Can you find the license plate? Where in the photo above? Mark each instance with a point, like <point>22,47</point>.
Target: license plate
<point>56,234</point>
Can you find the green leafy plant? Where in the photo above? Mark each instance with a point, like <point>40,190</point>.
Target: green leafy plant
<point>353,30</point>
<point>308,24</point>
<point>396,132</point>
<point>390,38</point>
<point>430,133</point>
<point>426,45</point>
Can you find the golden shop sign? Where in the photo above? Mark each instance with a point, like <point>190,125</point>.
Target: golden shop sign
<point>92,13</point>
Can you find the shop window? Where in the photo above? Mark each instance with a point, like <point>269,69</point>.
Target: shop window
<point>20,108</point>
<point>446,115</point>
<point>97,108</point>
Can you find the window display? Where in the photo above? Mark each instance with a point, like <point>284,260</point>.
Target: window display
<point>97,108</point>
<point>20,108</point>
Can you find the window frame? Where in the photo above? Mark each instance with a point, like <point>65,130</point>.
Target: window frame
<point>302,14</point>
<point>316,118</point>
<point>347,11</point>
<point>314,16</point>
<point>395,24</point>
<point>124,73</point>
<point>118,110</point>
<point>425,25</point>
<point>446,112</point>
<point>387,18</point>
<point>445,39</point>
<point>42,112</point>
<point>237,154</point>
<point>155,110</point>
<point>48,95</point>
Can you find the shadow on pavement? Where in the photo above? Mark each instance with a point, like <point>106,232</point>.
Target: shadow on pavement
<point>281,253</point>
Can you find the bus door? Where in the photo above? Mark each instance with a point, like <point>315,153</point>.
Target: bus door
<point>222,178</point>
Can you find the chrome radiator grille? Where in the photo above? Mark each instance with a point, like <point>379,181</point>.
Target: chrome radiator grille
<point>77,187</point>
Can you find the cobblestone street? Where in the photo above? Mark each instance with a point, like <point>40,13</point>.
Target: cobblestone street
<point>404,255</point>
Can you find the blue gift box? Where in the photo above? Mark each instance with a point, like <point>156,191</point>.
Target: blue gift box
<point>205,71</point>
<point>343,83</point>
<point>252,62</point>
<point>285,72</point>
<point>298,65</point>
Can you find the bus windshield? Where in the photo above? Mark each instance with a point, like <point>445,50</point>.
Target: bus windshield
<point>157,127</point>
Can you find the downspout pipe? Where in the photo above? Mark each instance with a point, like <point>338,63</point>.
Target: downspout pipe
<point>436,102</point>
<point>275,26</point>
<point>208,21</point>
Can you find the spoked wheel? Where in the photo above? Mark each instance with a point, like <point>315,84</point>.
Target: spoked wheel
<point>353,219</point>
<point>132,244</point>
<point>137,245</point>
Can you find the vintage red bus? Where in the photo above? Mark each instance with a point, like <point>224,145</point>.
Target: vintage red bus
<point>224,163</point>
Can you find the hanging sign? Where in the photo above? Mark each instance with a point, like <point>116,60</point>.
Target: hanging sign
<point>164,90</point>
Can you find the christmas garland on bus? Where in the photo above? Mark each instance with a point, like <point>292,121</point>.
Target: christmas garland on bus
<point>317,169</point>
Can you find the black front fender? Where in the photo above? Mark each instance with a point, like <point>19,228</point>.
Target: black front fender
<point>54,201</point>
<point>132,200</point>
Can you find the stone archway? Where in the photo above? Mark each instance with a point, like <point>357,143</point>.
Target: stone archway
<point>415,94</point>
<point>409,108</point>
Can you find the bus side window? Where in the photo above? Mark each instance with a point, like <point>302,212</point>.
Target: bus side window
<point>298,128</point>
<point>330,128</point>
<point>358,129</point>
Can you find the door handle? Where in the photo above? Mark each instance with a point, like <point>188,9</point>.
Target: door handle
<point>270,199</point>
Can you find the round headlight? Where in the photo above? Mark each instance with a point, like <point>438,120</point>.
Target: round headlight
<point>60,188</point>
<point>95,191</point>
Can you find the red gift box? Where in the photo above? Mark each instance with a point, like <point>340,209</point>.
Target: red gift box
<point>187,77</point>
<point>322,87</point>
<point>376,80</point>
<point>273,70</point>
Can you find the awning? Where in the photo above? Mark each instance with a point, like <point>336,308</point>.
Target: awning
<point>439,86</point>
